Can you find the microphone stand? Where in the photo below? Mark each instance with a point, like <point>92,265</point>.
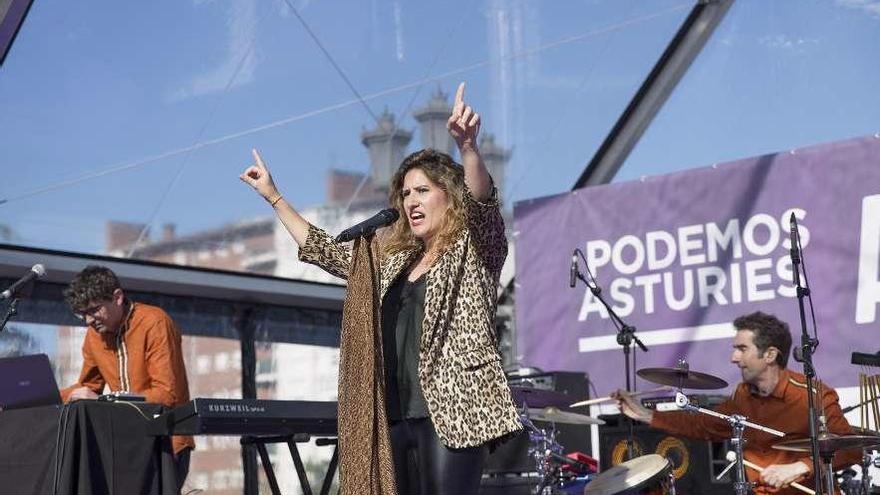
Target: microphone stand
<point>807,346</point>
<point>626,335</point>
<point>11,311</point>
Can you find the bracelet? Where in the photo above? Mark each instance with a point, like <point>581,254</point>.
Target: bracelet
<point>276,200</point>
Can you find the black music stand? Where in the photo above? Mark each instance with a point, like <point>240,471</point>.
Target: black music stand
<point>292,440</point>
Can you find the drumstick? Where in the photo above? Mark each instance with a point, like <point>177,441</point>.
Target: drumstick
<point>761,470</point>
<point>608,399</point>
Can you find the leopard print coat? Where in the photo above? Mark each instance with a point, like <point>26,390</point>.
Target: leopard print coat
<point>460,369</point>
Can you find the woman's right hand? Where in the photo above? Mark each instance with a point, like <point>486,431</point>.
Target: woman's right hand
<point>258,177</point>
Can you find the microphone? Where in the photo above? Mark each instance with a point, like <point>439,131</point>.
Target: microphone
<point>572,278</point>
<point>383,218</point>
<point>795,253</point>
<point>37,271</point>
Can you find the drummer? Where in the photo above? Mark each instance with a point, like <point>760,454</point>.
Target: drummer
<point>770,395</point>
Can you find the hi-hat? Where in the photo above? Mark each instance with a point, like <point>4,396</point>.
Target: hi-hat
<point>682,378</point>
<point>534,397</point>
<point>554,415</point>
<point>829,442</point>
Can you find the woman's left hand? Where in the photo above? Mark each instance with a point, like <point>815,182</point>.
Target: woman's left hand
<point>464,123</point>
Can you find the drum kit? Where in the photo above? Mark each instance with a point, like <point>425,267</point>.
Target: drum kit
<point>652,474</point>
<point>557,474</point>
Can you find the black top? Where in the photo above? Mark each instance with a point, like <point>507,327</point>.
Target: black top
<point>403,311</point>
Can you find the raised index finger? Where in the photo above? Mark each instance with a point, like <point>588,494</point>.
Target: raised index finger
<point>257,158</point>
<point>459,99</point>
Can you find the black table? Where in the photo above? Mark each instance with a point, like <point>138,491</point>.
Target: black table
<point>84,448</point>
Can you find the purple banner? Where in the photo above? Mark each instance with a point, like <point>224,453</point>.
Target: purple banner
<point>680,256</point>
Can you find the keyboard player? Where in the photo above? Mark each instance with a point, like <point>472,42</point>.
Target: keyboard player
<point>129,347</point>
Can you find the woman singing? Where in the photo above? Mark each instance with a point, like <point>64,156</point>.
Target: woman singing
<point>446,399</point>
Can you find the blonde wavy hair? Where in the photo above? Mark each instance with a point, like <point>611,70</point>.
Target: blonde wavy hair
<point>444,172</point>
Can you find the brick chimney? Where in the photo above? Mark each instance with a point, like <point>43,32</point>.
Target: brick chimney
<point>119,236</point>
<point>342,184</point>
<point>168,232</point>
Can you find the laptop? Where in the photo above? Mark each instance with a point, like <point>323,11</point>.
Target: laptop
<point>27,381</point>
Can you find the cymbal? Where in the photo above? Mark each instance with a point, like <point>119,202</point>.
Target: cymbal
<point>554,415</point>
<point>829,442</point>
<point>677,377</point>
<point>534,397</point>
<point>636,475</point>
<point>864,431</point>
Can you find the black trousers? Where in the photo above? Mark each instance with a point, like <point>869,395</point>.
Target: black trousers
<point>181,466</point>
<point>424,466</point>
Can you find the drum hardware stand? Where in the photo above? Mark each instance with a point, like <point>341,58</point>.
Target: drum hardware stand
<point>868,460</point>
<point>827,474</point>
<point>626,335</point>
<point>851,486</point>
<point>738,423</point>
<point>540,443</point>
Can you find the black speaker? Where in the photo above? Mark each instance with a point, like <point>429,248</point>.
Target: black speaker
<point>695,463</point>
<point>512,456</point>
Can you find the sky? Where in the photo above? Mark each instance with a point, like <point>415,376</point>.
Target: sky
<point>147,113</point>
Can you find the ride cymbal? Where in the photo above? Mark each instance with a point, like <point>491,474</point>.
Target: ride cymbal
<point>829,442</point>
<point>554,415</point>
<point>682,378</point>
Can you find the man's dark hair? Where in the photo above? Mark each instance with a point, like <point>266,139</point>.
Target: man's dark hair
<point>769,331</point>
<point>94,283</point>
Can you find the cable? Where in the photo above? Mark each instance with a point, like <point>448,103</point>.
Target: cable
<point>332,61</point>
<point>60,445</point>
<point>135,407</point>
<point>186,157</point>
<point>618,325</point>
<point>819,386</point>
<point>408,106</point>
<point>803,265</point>
<point>551,131</point>
<point>294,118</point>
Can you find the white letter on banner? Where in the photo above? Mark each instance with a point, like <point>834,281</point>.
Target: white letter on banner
<point>735,283</point>
<point>651,239</point>
<point>706,289</point>
<point>753,280</point>
<point>868,293</point>
<point>669,291</point>
<point>648,282</point>
<point>591,304</point>
<point>686,244</point>
<point>624,300</point>
<point>749,234</point>
<point>617,254</point>
<point>598,254</point>
<point>730,237</point>
<point>783,271</point>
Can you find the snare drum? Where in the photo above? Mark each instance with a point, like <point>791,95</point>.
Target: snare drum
<point>646,475</point>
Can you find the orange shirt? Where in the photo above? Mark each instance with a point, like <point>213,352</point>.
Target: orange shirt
<point>785,409</point>
<point>144,357</point>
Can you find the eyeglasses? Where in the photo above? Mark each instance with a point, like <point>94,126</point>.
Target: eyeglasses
<point>90,311</point>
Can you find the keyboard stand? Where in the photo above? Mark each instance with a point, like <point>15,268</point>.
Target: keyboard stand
<point>291,440</point>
